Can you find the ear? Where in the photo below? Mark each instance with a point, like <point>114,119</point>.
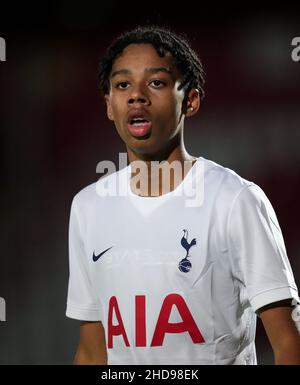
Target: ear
<point>108,108</point>
<point>193,102</point>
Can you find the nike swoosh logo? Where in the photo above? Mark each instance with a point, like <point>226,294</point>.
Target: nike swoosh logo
<point>96,257</point>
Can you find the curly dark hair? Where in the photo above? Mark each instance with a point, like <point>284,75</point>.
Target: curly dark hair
<point>163,40</point>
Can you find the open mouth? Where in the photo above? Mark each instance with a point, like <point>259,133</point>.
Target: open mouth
<point>138,126</point>
<point>138,122</point>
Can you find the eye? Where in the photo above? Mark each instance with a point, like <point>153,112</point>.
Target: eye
<point>157,83</point>
<point>122,85</point>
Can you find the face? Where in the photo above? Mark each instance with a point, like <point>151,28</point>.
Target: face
<point>144,101</point>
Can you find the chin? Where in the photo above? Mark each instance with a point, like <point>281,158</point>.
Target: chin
<point>145,147</point>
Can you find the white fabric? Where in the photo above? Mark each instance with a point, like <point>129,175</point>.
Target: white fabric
<point>239,264</point>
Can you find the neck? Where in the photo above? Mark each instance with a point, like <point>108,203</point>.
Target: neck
<point>156,174</point>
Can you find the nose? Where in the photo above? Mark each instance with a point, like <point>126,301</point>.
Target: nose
<point>138,96</point>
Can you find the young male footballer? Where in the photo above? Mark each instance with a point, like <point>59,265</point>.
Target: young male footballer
<point>177,272</point>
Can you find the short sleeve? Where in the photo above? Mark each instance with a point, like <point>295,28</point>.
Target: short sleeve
<point>81,303</point>
<point>256,245</point>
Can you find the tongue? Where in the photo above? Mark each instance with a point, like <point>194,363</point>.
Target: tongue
<point>140,128</point>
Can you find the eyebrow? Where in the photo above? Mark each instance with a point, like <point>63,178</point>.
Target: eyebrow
<point>151,70</point>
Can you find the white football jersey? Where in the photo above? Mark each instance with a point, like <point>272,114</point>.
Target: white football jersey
<point>176,280</point>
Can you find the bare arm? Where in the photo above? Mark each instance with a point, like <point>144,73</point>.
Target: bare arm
<point>92,346</point>
<point>282,332</point>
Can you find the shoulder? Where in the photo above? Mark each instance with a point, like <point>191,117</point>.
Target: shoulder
<point>95,193</point>
<point>224,181</point>
<point>84,196</point>
<point>231,192</point>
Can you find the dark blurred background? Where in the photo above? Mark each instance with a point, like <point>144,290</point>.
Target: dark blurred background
<point>54,131</point>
